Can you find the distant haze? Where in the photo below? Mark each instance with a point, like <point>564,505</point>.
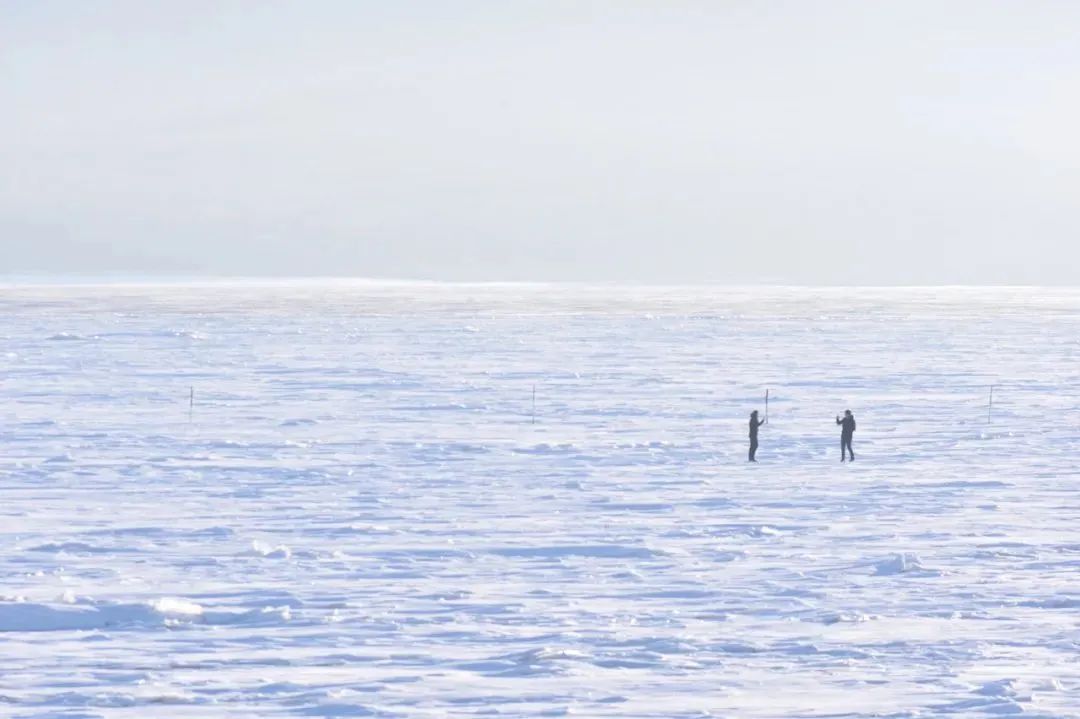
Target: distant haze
<point>902,142</point>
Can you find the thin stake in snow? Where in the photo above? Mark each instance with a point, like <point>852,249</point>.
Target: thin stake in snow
<point>990,408</point>
<point>191,406</point>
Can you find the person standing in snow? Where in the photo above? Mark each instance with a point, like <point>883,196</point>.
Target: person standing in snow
<point>754,424</point>
<point>847,431</point>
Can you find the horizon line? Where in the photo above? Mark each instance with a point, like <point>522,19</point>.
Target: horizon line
<point>133,280</point>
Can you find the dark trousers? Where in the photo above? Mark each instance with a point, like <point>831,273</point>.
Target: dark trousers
<point>753,449</point>
<point>845,443</point>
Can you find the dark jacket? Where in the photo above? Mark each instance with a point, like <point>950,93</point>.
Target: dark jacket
<point>754,424</point>
<point>847,425</point>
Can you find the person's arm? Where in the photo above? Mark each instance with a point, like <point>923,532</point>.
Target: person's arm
<point>760,422</point>
<point>838,419</point>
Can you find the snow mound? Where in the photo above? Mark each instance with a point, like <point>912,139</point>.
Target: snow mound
<point>547,654</point>
<point>903,563</point>
<point>262,549</point>
<point>164,612</point>
<point>78,548</point>
<point>555,552</point>
<point>846,618</point>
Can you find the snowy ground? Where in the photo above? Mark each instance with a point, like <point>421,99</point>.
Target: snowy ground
<point>360,518</point>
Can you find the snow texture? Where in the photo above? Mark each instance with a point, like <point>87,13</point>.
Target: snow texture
<point>358,516</point>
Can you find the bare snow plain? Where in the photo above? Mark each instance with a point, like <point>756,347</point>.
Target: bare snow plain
<point>358,516</point>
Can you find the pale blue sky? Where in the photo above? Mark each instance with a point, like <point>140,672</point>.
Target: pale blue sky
<point>797,142</point>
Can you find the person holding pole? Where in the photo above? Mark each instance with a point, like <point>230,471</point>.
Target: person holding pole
<point>754,424</point>
<point>847,431</point>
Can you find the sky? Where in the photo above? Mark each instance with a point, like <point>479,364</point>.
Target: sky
<point>732,142</point>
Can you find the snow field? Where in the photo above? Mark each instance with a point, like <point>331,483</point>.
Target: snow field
<point>360,519</point>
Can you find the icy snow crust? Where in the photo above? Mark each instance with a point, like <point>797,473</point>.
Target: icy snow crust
<point>360,519</point>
